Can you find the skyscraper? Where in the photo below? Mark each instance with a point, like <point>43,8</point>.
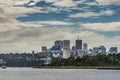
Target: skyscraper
<point>56,49</point>
<point>59,44</point>
<point>85,47</point>
<point>78,44</point>
<point>113,50</point>
<point>66,49</point>
<point>66,43</point>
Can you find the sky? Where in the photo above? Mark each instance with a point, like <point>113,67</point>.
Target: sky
<point>26,25</point>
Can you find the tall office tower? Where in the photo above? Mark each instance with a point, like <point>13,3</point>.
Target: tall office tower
<point>102,49</point>
<point>78,44</point>
<point>113,50</point>
<point>44,49</point>
<point>66,44</point>
<point>66,49</point>
<point>85,47</point>
<point>59,44</point>
<point>56,49</point>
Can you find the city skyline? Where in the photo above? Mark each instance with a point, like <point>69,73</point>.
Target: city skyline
<point>83,46</point>
<point>27,25</point>
<point>61,48</point>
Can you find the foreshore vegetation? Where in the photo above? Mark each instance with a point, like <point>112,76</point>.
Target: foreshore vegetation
<point>30,60</point>
<point>98,60</point>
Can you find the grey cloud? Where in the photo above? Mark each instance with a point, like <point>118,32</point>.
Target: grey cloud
<point>1,10</point>
<point>28,35</point>
<point>3,20</point>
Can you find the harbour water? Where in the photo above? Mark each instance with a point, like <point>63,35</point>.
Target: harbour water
<point>58,74</point>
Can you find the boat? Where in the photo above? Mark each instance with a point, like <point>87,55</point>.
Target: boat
<point>3,67</point>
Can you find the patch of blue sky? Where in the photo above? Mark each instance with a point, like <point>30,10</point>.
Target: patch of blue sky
<point>43,17</point>
<point>109,34</point>
<point>99,19</point>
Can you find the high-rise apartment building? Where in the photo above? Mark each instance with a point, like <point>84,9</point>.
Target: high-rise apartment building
<point>66,49</point>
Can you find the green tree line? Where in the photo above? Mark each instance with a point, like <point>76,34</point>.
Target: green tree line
<point>98,60</point>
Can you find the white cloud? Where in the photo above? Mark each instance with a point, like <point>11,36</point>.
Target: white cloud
<point>64,3</point>
<point>9,13</point>
<point>12,2</point>
<point>108,2</point>
<point>112,26</point>
<point>51,1</point>
<point>16,25</point>
<point>92,14</point>
<point>91,3</point>
<point>55,23</point>
<point>33,2</point>
<point>13,12</point>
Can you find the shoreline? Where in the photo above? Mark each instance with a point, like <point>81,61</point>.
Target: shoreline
<point>79,67</point>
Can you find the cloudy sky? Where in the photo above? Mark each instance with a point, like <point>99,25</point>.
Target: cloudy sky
<point>26,25</point>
